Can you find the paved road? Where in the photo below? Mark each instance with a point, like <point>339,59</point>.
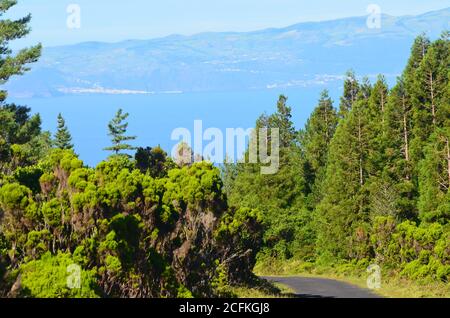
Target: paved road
<point>307,287</point>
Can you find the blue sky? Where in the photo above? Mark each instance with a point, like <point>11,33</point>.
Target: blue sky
<point>113,20</point>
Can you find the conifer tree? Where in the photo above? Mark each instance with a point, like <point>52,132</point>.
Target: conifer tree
<point>418,52</point>
<point>282,120</point>
<point>397,154</point>
<point>434,179</point>
<point>376,113</point>
<point>117,130</point>
<point>379,99</point>
<point>63,139</point>
<point>17,128</point>
<point>430,82</point>
<point>351,90</point>
<point>315,141</point>
<point>343,212</point>
<point>12,30</point>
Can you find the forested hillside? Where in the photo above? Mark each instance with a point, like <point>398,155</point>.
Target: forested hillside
<point>366,182</point>
<point>143,227</point>
<point>363,183</point>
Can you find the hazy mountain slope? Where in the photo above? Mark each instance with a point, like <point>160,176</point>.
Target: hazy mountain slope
<point>299,55</point>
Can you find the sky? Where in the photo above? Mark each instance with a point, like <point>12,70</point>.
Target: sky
<point>114,20</point>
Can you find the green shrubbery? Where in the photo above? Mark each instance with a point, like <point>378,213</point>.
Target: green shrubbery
<point>133,235</point>
<point>48,278</point>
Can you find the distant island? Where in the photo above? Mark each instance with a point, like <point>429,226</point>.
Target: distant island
<point>302,55</point>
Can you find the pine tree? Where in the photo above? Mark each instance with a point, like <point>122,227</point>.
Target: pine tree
<point>343,212</point>
<point>63,138</point>
<point>430,82</point>
<point>418,52</point>
<point>117,129</point>
<point>351,90</point>
<point>315,141</point>
<point>376,113</point>
<point>17,128</point>
<point>397,162</point>
<point>282,120</point>
<point>434,179</point>
<point>431,131</point>
<point>11,30</point>
<point>280,197</point>
<point>379,99</point>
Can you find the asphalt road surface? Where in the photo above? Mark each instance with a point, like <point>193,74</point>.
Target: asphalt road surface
<point>307,287</point>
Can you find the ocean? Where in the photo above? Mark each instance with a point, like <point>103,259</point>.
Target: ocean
<point>153,117</point>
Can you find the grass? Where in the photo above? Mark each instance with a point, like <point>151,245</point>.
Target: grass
<point>261,288</point>
<point>247,292</point>
<point>392,285</point>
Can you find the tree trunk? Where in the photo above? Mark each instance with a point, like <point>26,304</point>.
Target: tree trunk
<point>433,106</point>
<point>361,179</point>
<point>448,159</point>
<point>405,130</point>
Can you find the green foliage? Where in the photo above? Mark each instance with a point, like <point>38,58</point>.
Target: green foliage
<point>128,230</point>
<point>29,177</point>
<point>351,91</point>
<point>367,184</point>
<point>315,141</point>
<point>117,129</point>
<point>194,186</point>
<point>17,128</point>
<point>21,141</point>
<point>52,212</point>
<point>16,198</point>
<point>153,161</point>
<point>11,30</point>
<point>37,243</point>
<point>63,138</point>
<point>48,278</point>
<point>141,228</point>
<point>434,179</point>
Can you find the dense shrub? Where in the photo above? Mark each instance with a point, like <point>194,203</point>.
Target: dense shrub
<point>133,235</point>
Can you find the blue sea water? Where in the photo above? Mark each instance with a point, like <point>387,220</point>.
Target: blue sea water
<point>153,117</point>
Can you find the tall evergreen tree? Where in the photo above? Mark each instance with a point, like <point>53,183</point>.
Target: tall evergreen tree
<point>343,213</point>
<point>11,30</point>
<point>418,51</point>
<point>117,130</point>
<point>351,90</point>
<point>21,140</point>
<point>280,197</point>
<point>397,154</point>
<point>430,82</point>
<point>63,139</point>
<point>315,141</point>
<point>379,99</point>
<point>282,120</point>
<point>434,179</point>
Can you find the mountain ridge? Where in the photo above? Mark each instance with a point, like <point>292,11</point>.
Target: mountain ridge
<point>295,55</point>
<point>177,35</point>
